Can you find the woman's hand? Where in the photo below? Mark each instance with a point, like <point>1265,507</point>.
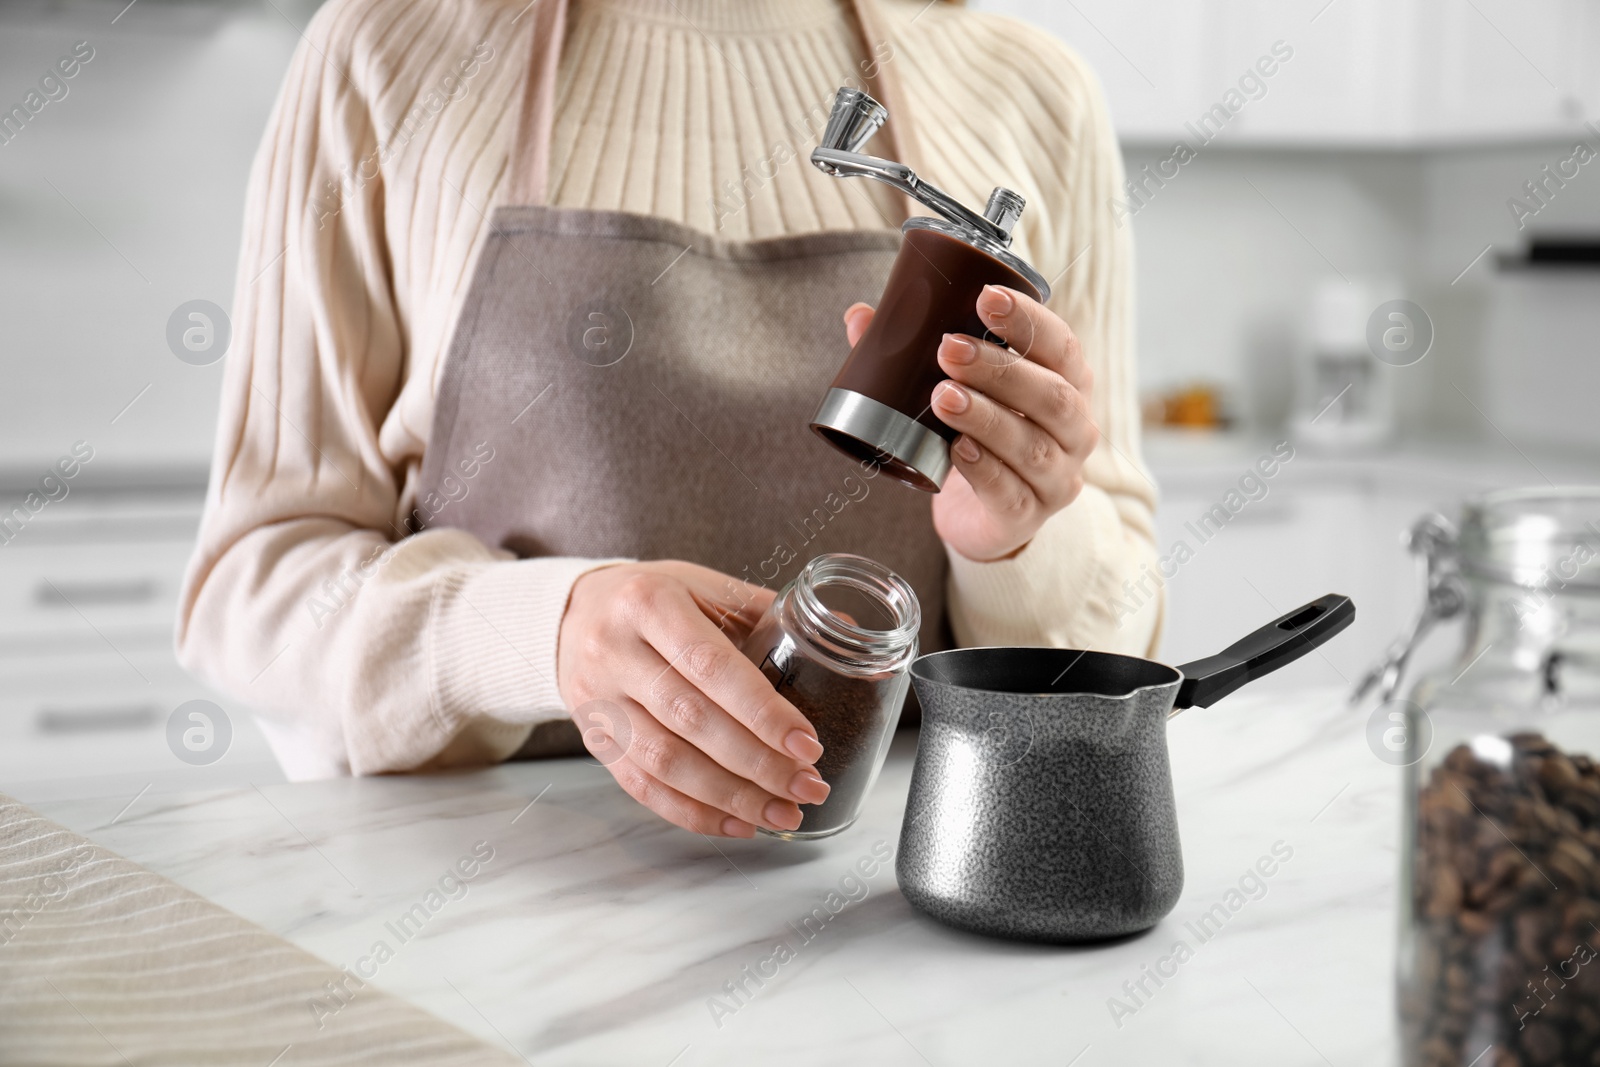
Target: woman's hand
<point>685,723</point>
<point>1024,417</point>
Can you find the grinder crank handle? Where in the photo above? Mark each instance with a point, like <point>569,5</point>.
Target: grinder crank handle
<point>1279,642</point>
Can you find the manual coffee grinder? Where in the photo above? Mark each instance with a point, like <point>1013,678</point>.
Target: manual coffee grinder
<point>878,408</point>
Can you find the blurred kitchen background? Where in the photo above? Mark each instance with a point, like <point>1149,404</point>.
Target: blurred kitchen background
<point>1432,152</point>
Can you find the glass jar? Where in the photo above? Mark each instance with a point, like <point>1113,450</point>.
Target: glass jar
<point>837,643</point>
<point>1500,905</point>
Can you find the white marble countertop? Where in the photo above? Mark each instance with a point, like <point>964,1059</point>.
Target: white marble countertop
<point>597,934</point>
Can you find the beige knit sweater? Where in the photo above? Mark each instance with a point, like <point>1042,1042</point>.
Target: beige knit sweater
<point>364,652</point>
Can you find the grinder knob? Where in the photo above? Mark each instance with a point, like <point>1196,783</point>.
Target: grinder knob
<point>851,124</point>
<point>1004,208</point>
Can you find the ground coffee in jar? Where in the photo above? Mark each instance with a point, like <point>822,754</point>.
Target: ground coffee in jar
<point>837,643</point>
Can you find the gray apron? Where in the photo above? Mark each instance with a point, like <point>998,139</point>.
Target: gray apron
<point>646,389</point>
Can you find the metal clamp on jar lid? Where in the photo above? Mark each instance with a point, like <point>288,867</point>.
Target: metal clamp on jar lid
<point>878,408</point>
<point>1545,541</point>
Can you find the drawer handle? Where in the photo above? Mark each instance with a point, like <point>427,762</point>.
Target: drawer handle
<point>50,594</point>
<point>95,720</point>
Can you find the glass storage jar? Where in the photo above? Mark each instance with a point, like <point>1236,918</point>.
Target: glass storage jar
<point>837,643</point>
<point>1500,904</point>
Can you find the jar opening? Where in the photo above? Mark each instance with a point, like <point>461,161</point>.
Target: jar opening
<point>856,606</point>
<point>858,603</point>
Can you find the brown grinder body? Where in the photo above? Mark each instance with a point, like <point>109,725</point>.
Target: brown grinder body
<point>879,407</point>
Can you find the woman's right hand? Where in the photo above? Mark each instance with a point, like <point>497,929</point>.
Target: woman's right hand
<point>648,660</point>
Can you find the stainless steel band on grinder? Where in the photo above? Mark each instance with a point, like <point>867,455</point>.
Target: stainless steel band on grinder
<point>885,431</point>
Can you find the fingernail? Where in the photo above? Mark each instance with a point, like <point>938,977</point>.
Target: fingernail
<point>951,397</point>
<point>781,815</point>
<point>998,300</point>
<point>958,349</point>
<point>733,827</point>
<point>807,788</point>
<point>802,746</point>
<point>967,449</point>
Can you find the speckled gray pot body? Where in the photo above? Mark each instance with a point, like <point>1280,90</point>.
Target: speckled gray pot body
<point>1039,815</point>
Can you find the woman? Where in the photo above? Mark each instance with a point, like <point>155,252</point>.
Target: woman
<point>534,303</point>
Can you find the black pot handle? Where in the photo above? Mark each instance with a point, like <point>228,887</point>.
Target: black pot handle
<point>1281,641</point>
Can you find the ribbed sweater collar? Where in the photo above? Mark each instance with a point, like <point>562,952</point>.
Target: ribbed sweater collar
<point>725,16</point>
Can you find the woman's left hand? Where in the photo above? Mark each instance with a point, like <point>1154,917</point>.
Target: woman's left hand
<point>1024,417</point>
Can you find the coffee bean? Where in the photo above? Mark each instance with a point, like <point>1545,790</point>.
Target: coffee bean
<point>1446,896</point>
<point>1541,1044</point>
<point>1436,1052</point>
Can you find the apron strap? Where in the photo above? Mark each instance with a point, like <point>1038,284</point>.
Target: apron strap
<point>530,143</point>
<point>530,147</point>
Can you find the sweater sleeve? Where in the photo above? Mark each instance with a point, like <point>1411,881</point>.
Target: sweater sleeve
<point>1066,587</point>
<point>361,649</point>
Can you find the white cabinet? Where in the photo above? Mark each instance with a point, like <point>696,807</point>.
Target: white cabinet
<point>1505,68</point>
<point>1394,73</point>
<point>1324,525</point>
<point>129,587</point>
<point>1297,544</point>
<point>1346,78</point>
<point>88,677</point>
